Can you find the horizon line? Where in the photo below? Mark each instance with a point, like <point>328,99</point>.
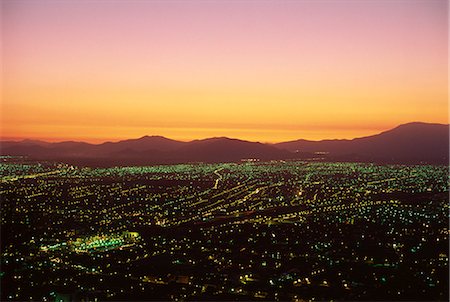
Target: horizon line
<point>22,139</point>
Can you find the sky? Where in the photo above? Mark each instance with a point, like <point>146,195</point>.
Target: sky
<point>266,71</point>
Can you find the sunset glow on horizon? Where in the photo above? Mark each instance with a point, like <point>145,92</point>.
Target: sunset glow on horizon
<point>266,71</point>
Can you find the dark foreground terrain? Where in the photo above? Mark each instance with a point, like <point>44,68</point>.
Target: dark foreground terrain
<point>248,231</point>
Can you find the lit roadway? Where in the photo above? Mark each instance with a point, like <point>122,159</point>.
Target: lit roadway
<point>218,179</point>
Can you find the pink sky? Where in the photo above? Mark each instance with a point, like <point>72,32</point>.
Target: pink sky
<point>260,70</point>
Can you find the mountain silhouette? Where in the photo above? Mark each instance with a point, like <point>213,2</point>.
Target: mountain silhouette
<point>409,143</point>
<point>413,143</point>
<point>223,149</point>
<point>144,143</point>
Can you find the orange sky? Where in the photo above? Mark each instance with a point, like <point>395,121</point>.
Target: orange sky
<point>264,71</point>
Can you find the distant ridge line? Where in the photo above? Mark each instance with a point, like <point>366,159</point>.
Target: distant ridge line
<point>412,143</point>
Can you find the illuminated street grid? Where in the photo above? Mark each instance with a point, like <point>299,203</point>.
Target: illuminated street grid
<point>244,231</point>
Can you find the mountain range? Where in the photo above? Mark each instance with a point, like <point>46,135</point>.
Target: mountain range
<point>413,143</point>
